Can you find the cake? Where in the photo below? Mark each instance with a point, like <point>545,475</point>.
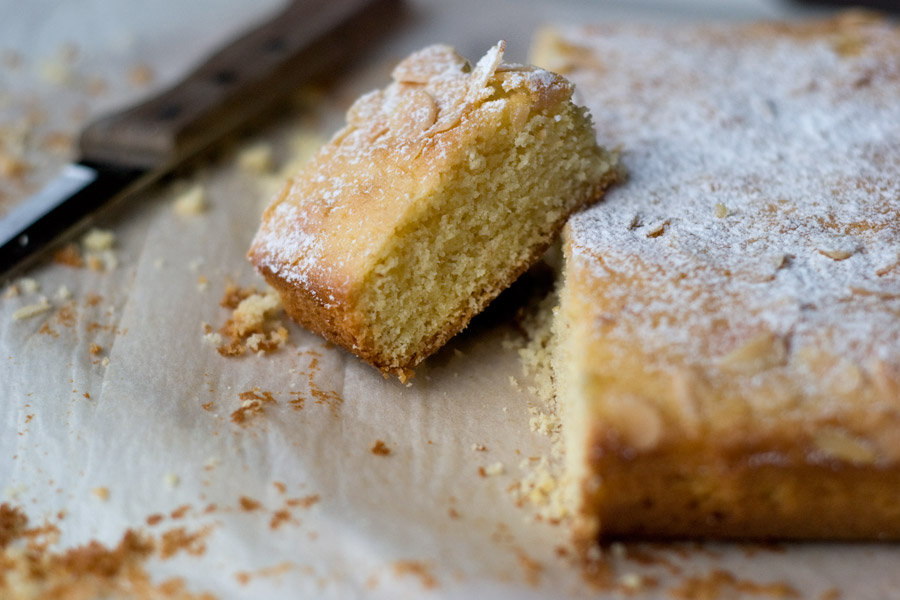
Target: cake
<point>440,190</point>
<point>727,361</point>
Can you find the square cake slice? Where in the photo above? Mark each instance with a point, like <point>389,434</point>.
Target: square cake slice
<point>728,358</point>
<point>441,190</point>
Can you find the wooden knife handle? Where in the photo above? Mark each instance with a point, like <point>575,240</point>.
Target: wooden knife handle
<point>307,39</point>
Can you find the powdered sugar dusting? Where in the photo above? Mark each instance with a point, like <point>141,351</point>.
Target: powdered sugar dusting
<point>319,231</point>
<point>764,191</point>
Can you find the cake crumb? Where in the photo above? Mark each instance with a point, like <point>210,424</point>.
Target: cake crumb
<point>191,201</point>
<point>253,324</point>
<point>55,72</point>
<point>256,159</point>
<point>403,568</point>
<point>98,240</point>
<point>63,293</point>
<point>380,448</point>
<point>249,504</point>
<point>95,349</point>
<point>105,361</point>
<point>496,468</point>
<point>101,492</point>
<point>171,480</point>
<point>29,286</point>
<point>721,211</point>
<point>32,310</point>
<point>632,581</point>
<point>12,166</point>
<point>479,447</point>
<point>141,75</point>
<point>69,255</point>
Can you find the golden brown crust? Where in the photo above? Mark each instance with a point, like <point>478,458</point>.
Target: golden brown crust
<point>328,239</point>
<point>339,323</point>
<point>759,493</point>
<point>731,314</point>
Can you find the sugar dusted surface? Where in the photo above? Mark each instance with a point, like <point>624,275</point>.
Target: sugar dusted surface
<point>397,142</point>
<point>764,191</point>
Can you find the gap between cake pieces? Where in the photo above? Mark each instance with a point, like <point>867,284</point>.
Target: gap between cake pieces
<point>441,190</point>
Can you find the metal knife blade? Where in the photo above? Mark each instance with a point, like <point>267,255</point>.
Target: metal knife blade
<point>126,151</point>
<point>77,191</point>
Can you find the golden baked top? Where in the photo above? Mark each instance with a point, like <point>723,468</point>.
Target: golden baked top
<point>745,283</point>
<point>329,222</point>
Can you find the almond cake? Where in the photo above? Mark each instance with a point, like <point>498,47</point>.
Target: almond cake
<point>727,361</point>
<point>441,189</point>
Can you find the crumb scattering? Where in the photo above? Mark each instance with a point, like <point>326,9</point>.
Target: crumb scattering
<point>380,448</point>
<point>32,310</point>
<point>420,570</point>
<point>249,504</point>
<point>256,159</point>
<point>253,324</point>
<point>191,201</point>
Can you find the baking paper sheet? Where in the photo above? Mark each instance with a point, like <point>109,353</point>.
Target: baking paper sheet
<point>152,424</point>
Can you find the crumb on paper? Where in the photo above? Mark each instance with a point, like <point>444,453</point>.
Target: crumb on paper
<point>253,324</point>
<point>101,493</point>
<point>63,293</point>
<point>32,310</point>
<point>55,72</point>
<point>252,402</point>
<point>95,349</point>
<point>496,468</point>
<point>29,286</point>
<point>69,255</point>
<point>256,159</point>
<point>105,260</point>
<point>194,264</point>
<point>96,86</point>
<point>98,240</point>
<point>380,448</point>
<point>11,291</point>
<point>251,313</point>
<point>543,489</point>
<point>36,565</point>
<point>158,264</point>
<point>249,504</point>
<point>422,571</point>
<point>721,211</point>
<point>141,75</point>
<point>191,201</point>
<point>479,447</point>
<point>171,480</point>
<point>105,363</point>
<point>544,423</point>
<point>632,581</point>
<point>202,283</point>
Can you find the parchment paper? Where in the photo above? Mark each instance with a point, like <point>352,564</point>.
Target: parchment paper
<point>419,522</point>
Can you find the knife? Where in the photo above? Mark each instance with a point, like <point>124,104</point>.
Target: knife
<point>126,151</point>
